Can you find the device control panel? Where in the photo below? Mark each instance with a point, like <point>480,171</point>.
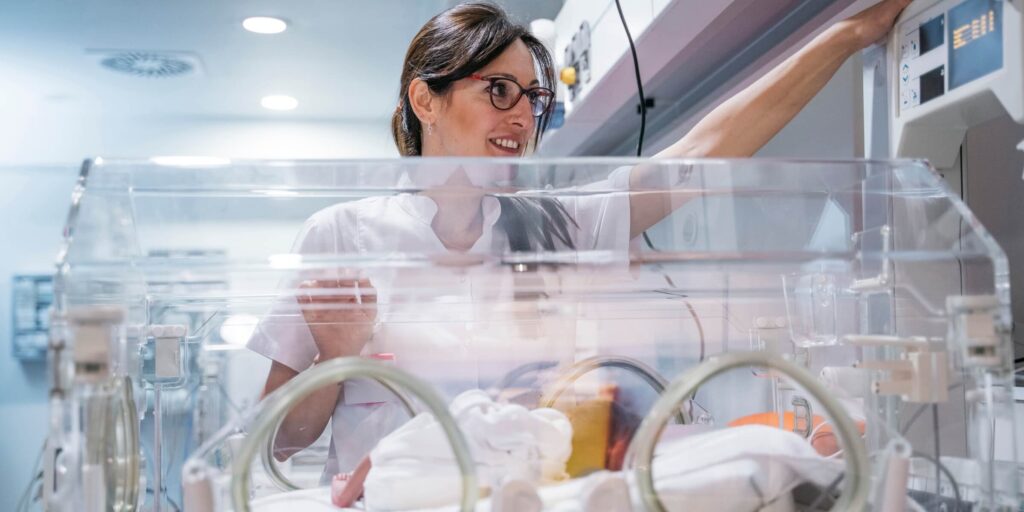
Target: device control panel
<point>943,49</point>
<point>953,64</point>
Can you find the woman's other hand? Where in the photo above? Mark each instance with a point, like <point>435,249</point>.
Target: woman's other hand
<point>340,314</point>
<point>874,23</point>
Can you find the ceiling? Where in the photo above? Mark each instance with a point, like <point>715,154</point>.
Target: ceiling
<point>340,58</point>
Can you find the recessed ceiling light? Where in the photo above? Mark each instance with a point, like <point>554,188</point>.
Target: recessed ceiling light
<point>264,25</point>
<point>279,102</point>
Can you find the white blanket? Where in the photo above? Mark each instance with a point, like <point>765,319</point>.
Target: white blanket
<point>415,467</point>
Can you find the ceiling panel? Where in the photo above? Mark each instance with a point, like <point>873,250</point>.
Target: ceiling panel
<point>340,58</point>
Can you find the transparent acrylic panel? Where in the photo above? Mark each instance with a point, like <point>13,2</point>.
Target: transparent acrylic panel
<point>548,305</point>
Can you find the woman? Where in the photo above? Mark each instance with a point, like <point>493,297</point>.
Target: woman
<point>470,88</point>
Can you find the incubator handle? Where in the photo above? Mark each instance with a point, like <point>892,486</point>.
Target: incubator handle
<point>275,406</point>
<point>641,449</point>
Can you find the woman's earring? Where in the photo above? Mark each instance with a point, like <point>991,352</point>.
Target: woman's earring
<point>430,129</point>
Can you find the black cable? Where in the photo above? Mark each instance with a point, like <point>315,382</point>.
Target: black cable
<point>949,474</point>
<point>826,493</point>
<point>693,313</point>
<point>920,410</point>
<point>643,99</point>
<point>639,81</point>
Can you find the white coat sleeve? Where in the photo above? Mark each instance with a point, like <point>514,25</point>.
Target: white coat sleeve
<point>603,217</point>
<point>282,334</point>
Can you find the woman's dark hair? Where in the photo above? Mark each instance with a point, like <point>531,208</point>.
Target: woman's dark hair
<point>451,46</point>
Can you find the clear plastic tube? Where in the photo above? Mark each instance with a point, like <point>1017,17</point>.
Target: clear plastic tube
<point>275,406</point>
<point>641,450</point>
<point>270,464</point>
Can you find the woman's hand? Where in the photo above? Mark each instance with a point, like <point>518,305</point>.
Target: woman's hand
<point>340,314</point>
<point>874,23</point>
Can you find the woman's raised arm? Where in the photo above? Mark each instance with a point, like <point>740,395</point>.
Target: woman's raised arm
<point>744,123</point>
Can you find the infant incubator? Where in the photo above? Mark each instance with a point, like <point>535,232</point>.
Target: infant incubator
<point>619,335</point>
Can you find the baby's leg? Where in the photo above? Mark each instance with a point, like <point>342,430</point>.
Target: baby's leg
<point>346,488</point>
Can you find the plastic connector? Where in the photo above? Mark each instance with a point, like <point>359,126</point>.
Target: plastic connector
<point>197,488</point>
<point>972,329</point>
<point>891,489</point>
<point>1020,147</point>
<point>920,375</point>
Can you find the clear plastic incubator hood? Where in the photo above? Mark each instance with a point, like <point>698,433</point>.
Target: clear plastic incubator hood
<point>585,334</point>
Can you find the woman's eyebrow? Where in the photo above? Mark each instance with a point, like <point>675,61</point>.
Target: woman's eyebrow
<point>512,77</point>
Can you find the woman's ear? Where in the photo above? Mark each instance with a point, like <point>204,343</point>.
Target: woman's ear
<point>423,102</point>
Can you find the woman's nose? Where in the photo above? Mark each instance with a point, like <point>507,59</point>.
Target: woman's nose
<point>522,112</point>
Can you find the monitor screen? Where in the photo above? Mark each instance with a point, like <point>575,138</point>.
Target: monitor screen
<point>976,40</point>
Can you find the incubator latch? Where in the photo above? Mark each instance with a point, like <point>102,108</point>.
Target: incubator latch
<point>973,329</point>
<point>168,342</point>
<point>57,345</point>
<point>803,417</point>
<point>94,328</point>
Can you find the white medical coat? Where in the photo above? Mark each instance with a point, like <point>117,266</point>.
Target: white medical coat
<point>444,335</point>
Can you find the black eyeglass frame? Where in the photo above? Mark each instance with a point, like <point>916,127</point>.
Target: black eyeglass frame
<point>522,92</point>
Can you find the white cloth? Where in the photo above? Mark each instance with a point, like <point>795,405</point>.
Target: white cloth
<point>751,467</point>
<point>740,468</point>
<point>414,467</point>
<point>442,335</point>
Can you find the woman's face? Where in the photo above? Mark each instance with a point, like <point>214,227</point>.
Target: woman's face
<point>469,125</point>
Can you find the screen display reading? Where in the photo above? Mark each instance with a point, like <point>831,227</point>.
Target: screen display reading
<point>932,34</point>
<point>933,84</point>
<point>976,40</point>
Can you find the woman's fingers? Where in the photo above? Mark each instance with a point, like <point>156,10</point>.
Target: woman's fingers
<point>874,23</point>
<point>332,291</point>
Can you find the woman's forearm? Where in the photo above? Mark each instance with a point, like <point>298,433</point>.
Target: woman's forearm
<point>746,122</point>
<point>306,421</point>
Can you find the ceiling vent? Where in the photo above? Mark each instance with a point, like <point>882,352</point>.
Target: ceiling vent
<point>148,64</point>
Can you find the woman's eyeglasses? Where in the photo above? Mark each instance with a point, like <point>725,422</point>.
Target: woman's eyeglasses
<point>506,93</point>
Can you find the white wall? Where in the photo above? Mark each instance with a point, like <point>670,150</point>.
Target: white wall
<point>39,160</point>
<point>32,207</point>
<point>47,137</point>
<point>828,127</point>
